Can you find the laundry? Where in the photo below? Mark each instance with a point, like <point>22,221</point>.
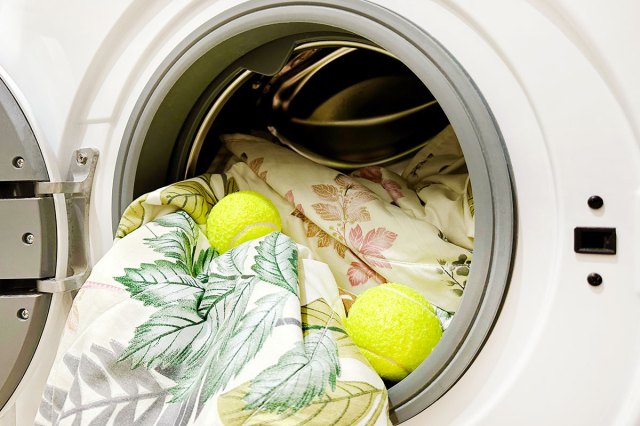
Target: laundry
<point>166,330</point>
<point>362,225</point>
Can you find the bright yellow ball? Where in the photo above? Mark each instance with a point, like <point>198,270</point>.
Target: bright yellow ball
<point>240,217</point>
<point>395,327</point>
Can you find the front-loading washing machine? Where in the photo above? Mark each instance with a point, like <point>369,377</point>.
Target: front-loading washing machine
<point>102,102</point>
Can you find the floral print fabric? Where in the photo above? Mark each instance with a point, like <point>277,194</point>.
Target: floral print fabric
<point>166,331</point>
<point>374,225</point>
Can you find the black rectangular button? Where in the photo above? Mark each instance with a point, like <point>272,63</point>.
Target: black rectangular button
<point>594,240</point>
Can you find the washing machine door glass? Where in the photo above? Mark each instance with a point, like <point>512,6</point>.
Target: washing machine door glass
<point>28,250</point>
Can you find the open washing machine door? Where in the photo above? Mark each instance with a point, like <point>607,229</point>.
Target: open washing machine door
<point>30,232</point>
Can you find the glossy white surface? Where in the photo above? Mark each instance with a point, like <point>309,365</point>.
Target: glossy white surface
<point>560,78</point>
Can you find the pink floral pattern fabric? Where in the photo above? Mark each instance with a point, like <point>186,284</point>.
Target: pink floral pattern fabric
<point>375,225</point>
<point>374,174</point>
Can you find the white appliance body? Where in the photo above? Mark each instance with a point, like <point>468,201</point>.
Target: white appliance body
<point>561,79</point>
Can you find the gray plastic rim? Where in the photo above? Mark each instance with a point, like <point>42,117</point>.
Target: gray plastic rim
<point>23,336</point>
<point>475,126</point>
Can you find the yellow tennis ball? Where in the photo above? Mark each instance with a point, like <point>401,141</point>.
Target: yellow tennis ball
<point>240,217</point>
<point>395,327</point>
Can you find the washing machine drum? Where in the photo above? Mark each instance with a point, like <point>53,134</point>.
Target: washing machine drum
<point>351,107</point>
<point>343,102</point>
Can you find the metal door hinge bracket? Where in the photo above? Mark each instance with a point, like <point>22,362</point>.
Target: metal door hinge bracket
<point>77,193</point>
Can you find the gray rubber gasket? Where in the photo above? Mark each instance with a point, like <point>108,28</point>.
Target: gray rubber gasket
<point>476,128</point>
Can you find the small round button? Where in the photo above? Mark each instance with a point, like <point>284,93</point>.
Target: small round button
<point>594,279</point>
<point>595,202</point>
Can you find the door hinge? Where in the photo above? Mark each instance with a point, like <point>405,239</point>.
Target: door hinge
<point>77,193</point>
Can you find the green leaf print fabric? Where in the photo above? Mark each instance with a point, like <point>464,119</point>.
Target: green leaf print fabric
<point>169,332</point>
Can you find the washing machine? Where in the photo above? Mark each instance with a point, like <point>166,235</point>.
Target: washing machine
<point>101,102</point>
